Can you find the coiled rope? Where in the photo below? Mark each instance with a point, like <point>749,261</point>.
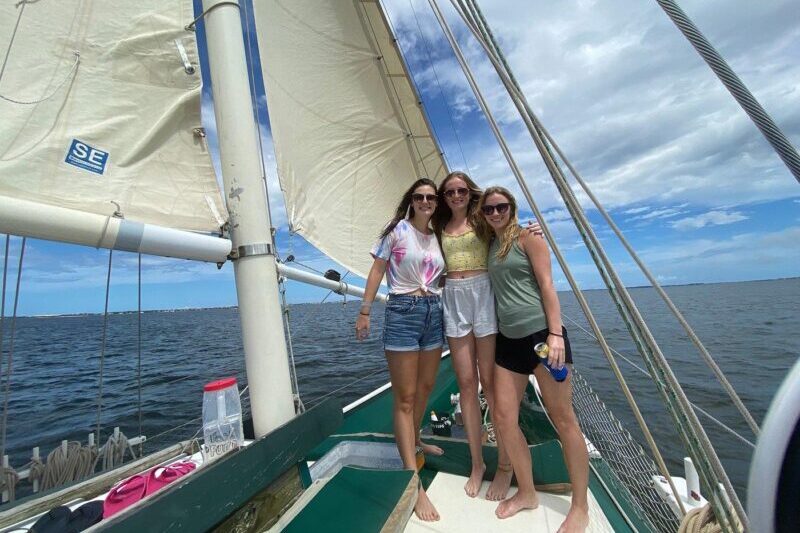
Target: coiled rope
<point>8,482</point>
<point>75,463</point>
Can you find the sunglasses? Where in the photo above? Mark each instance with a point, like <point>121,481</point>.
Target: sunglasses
<point>461,191</point>
<point>419,197</point>
<point>500,208</point>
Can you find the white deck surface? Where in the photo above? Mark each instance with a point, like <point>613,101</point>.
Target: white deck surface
<point>462,514</point>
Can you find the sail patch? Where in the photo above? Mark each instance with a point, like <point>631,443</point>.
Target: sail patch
<point>86,157</point>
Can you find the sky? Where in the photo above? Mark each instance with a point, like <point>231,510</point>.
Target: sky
<point>689,179</point>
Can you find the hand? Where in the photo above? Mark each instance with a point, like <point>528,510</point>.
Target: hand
<point>532,227</point>
<point>557,355</point>
<point>362,327</point>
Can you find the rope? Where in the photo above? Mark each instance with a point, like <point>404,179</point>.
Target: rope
<point>35,470</point>
<point>9,366</point>
<point>192,24</point>
<point>61,468</point>
<point>735,86</point>
<point>139,354</point>
<point>318,399</point>
<point>439,85</point>
<point>700,520</point>
<point>113,451</point>
<point>686,421</point>
<point>298,402</point>
<point>54,91</point>
<point>13,36</point>
<point>103,345</point>
<point>643,371</point>
<point>8,482</point>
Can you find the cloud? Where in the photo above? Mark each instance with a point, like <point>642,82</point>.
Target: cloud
<point>711,218</point>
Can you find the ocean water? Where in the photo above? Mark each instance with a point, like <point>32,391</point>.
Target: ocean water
<point>751,328</point>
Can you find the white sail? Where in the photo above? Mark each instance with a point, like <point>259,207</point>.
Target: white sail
<point>100,103</point>
<point>349,133</point>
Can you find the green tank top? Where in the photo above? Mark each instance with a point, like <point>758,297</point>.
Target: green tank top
<point>519,300</point>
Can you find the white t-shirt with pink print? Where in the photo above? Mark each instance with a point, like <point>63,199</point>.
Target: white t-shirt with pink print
<point>414,260</point>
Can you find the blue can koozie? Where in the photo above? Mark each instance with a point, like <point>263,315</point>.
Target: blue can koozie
<point>542,350</point>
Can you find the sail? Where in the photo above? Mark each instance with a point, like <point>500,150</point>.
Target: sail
<point>349,133</point>
<point>100,103</point>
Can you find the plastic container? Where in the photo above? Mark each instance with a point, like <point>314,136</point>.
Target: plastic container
<point>559,374</point>
<point>222,418</point>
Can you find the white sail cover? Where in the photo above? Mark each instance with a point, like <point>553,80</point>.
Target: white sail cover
<point>117,125</point>
<point>350,136</point>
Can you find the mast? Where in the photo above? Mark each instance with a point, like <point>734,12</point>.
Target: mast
<point>255,269</point>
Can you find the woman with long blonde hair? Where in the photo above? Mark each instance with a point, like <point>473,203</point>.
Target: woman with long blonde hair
<point>529,313</point>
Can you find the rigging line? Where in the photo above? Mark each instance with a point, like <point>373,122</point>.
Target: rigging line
<point>710,467</point>
<point>397,103</point>
<point>139,354</point>
<point>13,36</point>
<point>709,360</point>
<point>3,300</point>
<point>103,347</point>
<point>251,66</point>
<point>67,77</point>
<point>644,372</point>
<point>9,365</point>
<point>439,86</point>
<point>331,291</point>
<point>556,250</point>
<point>763,121</point>
<point>318,399</point>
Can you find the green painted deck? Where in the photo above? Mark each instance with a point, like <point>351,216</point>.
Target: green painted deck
<point>356,500</point>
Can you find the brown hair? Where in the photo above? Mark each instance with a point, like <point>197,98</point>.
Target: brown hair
<point>405,205</point>
<point>512,229</point>
<point>443,213</point>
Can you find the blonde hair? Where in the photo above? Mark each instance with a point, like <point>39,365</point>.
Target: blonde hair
<point>443,213</point>
<point>510,232</point>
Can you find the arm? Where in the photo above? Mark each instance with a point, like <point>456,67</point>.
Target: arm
<point>539,257</point>
<point>374,278</point>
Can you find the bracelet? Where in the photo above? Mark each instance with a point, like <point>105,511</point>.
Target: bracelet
<point>366,304</point>
<point>555,334</point>
<point>363,314</point>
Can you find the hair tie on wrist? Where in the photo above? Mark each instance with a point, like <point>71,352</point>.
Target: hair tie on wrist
<point>363,314</point>
<point>556,334</point>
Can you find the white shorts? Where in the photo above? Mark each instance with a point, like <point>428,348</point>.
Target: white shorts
<point>469,306</point>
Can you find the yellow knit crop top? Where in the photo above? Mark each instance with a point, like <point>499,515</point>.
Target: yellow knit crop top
<point>464,252</point>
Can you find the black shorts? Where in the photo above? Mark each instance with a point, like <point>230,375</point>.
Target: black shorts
<point>517,355</point>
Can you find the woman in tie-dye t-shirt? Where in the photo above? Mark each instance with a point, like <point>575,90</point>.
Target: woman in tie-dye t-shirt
<point>409,254</point>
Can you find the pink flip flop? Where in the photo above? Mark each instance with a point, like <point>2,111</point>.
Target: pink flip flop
<point>160,477</point>
<point>125,494</point>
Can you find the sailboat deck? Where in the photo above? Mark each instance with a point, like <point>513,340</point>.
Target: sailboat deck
<point>462,513</point>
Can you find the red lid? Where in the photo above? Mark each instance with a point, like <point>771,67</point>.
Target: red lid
<point>220,384</point>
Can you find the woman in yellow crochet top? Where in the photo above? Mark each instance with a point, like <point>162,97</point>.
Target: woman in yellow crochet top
<point>470,322</point>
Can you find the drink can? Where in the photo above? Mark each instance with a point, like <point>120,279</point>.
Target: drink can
<point>541,349</point>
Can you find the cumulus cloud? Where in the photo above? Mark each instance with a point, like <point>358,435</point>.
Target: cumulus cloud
<point>711,218</point>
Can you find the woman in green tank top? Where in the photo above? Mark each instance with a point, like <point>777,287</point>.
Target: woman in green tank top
<point>528,312</point>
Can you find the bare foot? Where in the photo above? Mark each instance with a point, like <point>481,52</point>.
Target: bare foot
<point>424,509</point>
<point>576,522</point>
<point>516,503</point>
<point>500,484</point>
<point>430,449</point>
<point>473,484</point>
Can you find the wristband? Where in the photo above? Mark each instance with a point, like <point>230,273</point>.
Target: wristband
<point>555,334</point>
<point>363,314</point>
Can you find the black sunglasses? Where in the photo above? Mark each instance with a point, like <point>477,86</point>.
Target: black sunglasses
<point>490,209</point>
<point>461,191</point>
<point>419,197</point>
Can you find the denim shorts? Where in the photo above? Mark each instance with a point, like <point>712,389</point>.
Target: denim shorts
<point>413,323</point>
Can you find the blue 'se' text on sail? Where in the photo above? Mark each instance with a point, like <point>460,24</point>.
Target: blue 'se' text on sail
<point>86,157</point>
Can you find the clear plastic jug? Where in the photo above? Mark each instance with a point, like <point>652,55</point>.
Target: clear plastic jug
<point>222,418</point>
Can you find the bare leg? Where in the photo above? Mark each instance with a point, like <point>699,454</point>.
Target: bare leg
<point>403,369</point>
<point>426,379</point>
<point>511,387</point>
<point>502,477</point>
<point>462,352</point>
<point>558,402</point>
